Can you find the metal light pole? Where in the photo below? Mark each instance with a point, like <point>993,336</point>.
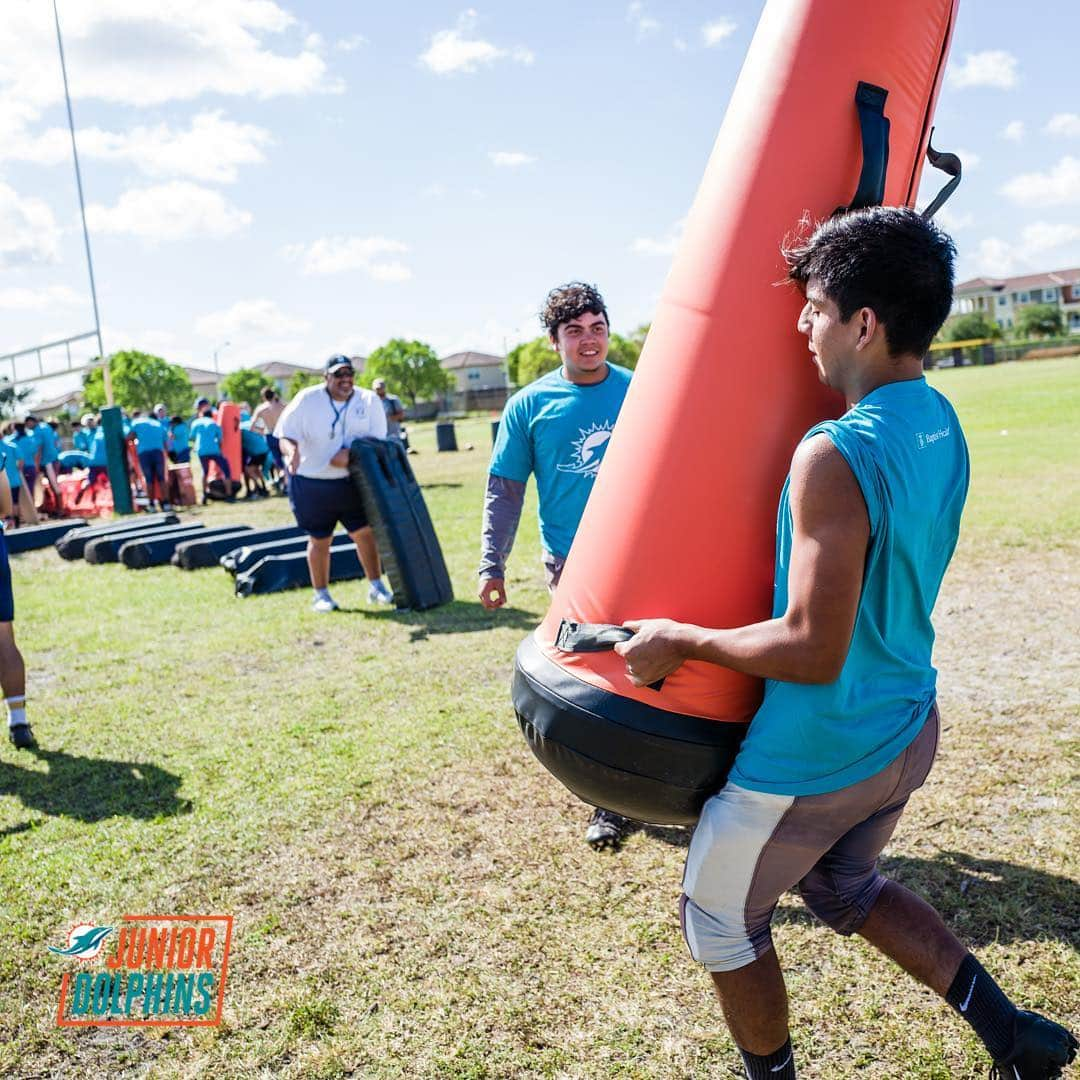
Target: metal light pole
<point>223,345</point>
<point>82,210</point>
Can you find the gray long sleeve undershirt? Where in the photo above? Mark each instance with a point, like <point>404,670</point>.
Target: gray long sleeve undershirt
<point>502,512</point>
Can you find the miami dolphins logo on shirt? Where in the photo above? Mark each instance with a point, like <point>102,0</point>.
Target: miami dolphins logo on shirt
<point>589,450</point>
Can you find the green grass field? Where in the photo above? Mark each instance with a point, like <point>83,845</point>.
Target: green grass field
<point>411,894</point>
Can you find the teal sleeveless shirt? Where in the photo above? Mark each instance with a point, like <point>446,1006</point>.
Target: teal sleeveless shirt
<point>904,444</point>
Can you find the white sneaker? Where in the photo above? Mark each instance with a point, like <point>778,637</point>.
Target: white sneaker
<point>379,594</point>
<point>323,604</point>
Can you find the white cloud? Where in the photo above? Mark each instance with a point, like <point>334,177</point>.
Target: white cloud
<point>664,245</point>
<point>994,67</point>
<point>211,149</point>
<point>1013,131</point>
<point>28,231</point>
<point>995,257</point>
<point>952,222</point>
<point>338,254</point>
<point>52,296</point>
<point>1044,236</point>
<point>645,25</point>
<point>246,318</point>
<point>171,211</point>
<point>453,51</point>
<point>146,52</point>
<point>510,159</point>
<point>716,31</point>
<point>968,159</point>
<point>680,44</point>
<point>1066,125</point>
<point>1060,186</point>
<point>351,43</point>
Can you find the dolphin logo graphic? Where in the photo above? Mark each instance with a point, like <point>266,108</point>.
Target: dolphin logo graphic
<point>588,451</point>
<point>84,942</point>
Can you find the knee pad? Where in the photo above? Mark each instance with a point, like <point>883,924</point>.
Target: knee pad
<point>840,905</point>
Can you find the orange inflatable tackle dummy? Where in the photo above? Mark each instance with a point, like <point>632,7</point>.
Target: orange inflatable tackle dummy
<point>832,111</point>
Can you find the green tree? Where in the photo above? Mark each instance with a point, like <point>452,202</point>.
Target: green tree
<point>140,380</point>
<point>300,381</point>
<point>244,385</point>
<point>969,327</point>
<point>530,360</point>
<point>410,368</point>
<point>624,351</point>
<point>1040,320</point>
<point>10,398</point>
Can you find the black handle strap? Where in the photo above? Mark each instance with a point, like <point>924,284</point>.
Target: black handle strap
<point>575,637</point>
<point>874,128</point>
<point>948,164</point>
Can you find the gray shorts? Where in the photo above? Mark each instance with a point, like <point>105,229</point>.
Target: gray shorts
<point>750,847</point>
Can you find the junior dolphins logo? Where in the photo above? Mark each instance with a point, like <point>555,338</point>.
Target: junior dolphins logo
<point>158,971</point>
<point>589,450</point>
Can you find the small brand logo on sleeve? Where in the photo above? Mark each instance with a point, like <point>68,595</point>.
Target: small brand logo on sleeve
<point>923,439</point>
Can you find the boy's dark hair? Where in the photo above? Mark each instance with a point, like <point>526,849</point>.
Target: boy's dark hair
<point>569,302</point>
<point>886,258</point>
<point>268,393</point>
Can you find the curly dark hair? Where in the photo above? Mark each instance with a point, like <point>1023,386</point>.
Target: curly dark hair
<point>568,302</point>
<point>886,258</point>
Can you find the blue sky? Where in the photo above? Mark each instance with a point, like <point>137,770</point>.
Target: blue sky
<point>300,178</point>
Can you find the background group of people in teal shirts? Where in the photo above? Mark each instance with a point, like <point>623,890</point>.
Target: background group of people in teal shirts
<point>29,448</point>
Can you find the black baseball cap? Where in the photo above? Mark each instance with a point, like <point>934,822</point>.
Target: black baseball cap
<point>335,363</point>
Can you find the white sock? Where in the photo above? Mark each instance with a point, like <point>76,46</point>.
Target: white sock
<point>16,710</point>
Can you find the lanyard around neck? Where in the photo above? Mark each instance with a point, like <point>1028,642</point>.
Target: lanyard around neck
<point>339,414</point>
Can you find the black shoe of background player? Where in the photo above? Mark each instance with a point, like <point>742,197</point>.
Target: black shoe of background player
<point>606,829</point>
<point>22,738</point>
<point>1040,1050</point>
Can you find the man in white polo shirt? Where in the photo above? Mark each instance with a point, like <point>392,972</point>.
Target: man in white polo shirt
<point>315,432</point>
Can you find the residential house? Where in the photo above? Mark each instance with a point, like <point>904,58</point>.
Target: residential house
<point>474,371</point>
<point>1000,299</point>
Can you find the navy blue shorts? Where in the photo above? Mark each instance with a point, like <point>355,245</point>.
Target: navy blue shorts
<point>152,463</point>
<point>318,505</point>
<point>7,601</point>
<point>180,457</point>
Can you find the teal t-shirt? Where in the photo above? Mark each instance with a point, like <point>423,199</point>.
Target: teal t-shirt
<point>82,439</point>
<point>904,444</point>
<point>179,435</point>
<point>206,435</point>
<point>149,433</point>
<point>558,431</point>
<point>252,442</point>
<point>98,455</point>
<point>10,463</point>
<point>26,448</point>
<point>49,443</point>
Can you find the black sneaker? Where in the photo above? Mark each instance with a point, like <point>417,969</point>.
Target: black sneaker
<point>606,829</point>
<point>22,738</point>
<point>1040,1050</point>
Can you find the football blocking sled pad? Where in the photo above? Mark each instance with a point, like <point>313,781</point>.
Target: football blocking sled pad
<point>106,549</point>
<point>275,573</point>
<point>201,552</point>
<point>404,534</point>
<point>835,97</point>
<point>40,536</point>
<point>241,559</point>
<point>72,545</point>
